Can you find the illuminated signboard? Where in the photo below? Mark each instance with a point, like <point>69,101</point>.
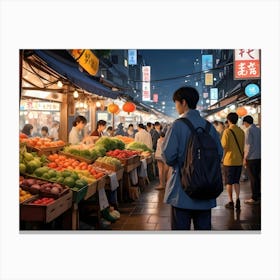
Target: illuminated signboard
<point>246,64</point>
<point>146,88</point>
<point>132,57</point>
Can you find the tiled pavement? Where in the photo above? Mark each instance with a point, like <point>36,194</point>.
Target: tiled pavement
<point>149,213</point>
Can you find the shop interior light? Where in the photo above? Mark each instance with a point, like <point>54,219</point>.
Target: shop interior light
<point>59,84</point>
<point>75,94</point>
<point>98,104</point>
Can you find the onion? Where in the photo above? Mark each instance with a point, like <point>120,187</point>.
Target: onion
<point>30,182</point>
<point>55,190</point>
<point>36,187</point>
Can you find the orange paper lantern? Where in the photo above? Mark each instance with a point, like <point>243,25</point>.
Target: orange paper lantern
<point>113,108</point>
<point>129,107</point>
<point>241,111</point>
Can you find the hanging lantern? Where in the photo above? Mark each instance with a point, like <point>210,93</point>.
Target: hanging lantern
<point>113,108</point>
<point>241,111</point>
<point>129,107</point>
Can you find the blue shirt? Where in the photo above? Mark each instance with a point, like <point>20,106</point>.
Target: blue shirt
<point>253,142</point>
<point>174,151</point>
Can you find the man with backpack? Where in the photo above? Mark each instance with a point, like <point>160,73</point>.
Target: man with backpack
<point>189,203</point>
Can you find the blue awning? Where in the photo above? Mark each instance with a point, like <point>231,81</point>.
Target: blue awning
<point>70,71</point>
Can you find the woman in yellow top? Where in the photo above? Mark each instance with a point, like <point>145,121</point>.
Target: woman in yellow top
<point>233,140</point>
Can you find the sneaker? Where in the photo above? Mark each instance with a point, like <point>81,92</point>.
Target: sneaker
<point>237,204</point>
<point>251,201</point>
<point>230,205</point>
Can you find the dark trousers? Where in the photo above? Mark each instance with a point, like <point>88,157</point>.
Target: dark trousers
<point>181,219</point>
<point>254,173</point>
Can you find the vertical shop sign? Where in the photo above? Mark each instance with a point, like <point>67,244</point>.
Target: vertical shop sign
<point>146,88</point>
<point>213,95</point>
<point>132,57</point>
<point>246,64</point>
<point>207,62</point>
<point>208,79</point>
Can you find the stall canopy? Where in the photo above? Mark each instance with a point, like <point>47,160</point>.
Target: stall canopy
<point>70,70</point>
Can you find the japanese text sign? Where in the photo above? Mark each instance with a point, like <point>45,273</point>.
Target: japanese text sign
<point>246,64</point>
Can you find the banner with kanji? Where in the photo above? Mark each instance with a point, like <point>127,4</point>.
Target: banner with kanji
<point>247,64</point>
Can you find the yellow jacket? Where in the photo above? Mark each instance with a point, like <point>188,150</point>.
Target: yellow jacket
<point>232,156</point>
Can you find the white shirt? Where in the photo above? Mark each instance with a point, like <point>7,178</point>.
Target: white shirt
<point>144,137</point>
<point>74,136</point>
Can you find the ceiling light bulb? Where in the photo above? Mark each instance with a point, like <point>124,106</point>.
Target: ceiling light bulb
<point>59,84</point>
<point>75,94</point>
<point>98,104</point>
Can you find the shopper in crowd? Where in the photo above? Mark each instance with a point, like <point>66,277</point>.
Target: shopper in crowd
<point>109,131</point>
<point>184,209</point>
<point>100,127</point>
<point>252,158</point>
<point>54,131</point>
<point>162,166</point>
<point>75,135</point>
<point>44,132</point>
<point>226,124</point>
<point>130,131</point>
<point>156,134</point>
<point>233,143</point>
<point>143,136</point>
<point>120,130</point>
<point>27,129</point>
<point>220,127</point>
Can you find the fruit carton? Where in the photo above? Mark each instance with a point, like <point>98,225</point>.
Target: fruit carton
<point>107,166</point>
<point>45,213</point>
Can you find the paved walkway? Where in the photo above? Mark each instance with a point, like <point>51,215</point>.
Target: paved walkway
<point>149,213</point>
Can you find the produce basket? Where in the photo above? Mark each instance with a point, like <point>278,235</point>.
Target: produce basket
<point>78,195</point>
<point>107,166</point>
<point>39,181</point>
<point>131,160</point>
<point>45,151</point>
<point>76,157</point>
<point>45,213</point>
<point>91,190</point>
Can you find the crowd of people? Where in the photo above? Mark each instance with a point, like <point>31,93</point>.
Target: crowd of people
<point>239,149</point>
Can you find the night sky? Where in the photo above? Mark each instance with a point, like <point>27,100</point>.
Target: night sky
<point>166,64</point>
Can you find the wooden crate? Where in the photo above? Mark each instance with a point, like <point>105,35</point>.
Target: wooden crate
<point>77,157</point>
<point>130,167</point>
<point>107,166</point>
<point>119,175</point>
<point>91,190</point>
<point>45,213</point>
<point>130,160</point>
<point>45,151</point>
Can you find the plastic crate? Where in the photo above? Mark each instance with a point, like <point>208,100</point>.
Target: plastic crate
<point>80,194</point>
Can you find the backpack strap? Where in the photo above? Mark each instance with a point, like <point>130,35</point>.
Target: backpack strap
<point>188,123</point>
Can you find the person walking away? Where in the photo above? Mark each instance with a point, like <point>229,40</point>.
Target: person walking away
<point>162,166</point>
<point>75,136</point>
<point>252,158</point>
<point>184,209</point>
<point>233,143</point>
<point>143,136</point>
<point>120,130</point>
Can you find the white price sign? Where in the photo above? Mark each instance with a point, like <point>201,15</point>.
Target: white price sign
<point>114,181</point>
<point>103,201</point>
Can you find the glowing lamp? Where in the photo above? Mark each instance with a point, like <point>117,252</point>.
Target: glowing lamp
<point>129,107</point>
<point>113,108</point>
<point>241,111</point>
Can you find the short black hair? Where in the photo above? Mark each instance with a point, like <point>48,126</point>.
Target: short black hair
<point>149,124</point>
<point>79,119</point>
<point>162,134</point>
<point>27,129</point>
<point>101,122</point>
<point>157,123</point>
<point>130,125</point>
<point>141,125</point>
<point>109,128</point>
<point>45,128</point>
<point>189,94</point>
<point>248,119</point>
<point>232,117</point>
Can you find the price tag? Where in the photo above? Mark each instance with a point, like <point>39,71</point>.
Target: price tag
<point>113,181</point>
<point>103,201</point>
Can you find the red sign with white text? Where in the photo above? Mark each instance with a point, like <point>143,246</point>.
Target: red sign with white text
<point>247,64</point>
<point>155,97</point>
